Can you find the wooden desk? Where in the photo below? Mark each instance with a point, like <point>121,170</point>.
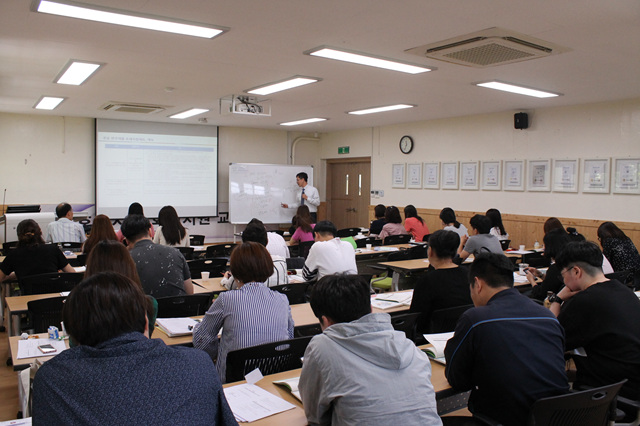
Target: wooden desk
<point>212,284</point>
<point>20,364</point>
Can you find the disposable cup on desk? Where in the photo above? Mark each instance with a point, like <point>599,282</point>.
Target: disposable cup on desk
<point>522,267</point>
<point>204,275</point>
<point>522,247</point>
<point>368,246</point>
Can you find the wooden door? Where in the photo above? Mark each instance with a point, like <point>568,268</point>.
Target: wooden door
<point>349,184</point>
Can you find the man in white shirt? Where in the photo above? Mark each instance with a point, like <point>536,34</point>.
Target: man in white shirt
<point>328,255</point>
<point>65,230</point>
<point>276,245</point>
<point>308,196</point>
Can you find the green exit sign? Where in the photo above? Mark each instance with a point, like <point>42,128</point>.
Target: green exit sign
<point>343,150</point>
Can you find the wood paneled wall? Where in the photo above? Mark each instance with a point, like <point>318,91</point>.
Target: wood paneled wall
<point>524,229</point>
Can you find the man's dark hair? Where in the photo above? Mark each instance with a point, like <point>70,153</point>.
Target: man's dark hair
<point>379,210</point>
<point>135,226</point>
<point>494,268</point>
<point>303,176</point>
<point>481,223</point>
<point>62,210</point>
<point>585,254</point>
<point>104,306</point>
<point>255,233</point>
<point>325,228</point>
<point>554,242</point>
<point>256,221</point>
<point>341,298</point>
<point>444,243</point>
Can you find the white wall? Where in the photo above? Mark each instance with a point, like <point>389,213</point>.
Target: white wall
<point>588,131</point>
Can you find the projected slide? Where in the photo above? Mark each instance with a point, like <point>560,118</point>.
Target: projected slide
<point>164,165</point>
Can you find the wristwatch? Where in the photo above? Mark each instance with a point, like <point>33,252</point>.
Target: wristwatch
<point>556,299</point>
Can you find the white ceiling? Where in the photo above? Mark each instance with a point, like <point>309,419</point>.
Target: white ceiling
<point>266,42</point>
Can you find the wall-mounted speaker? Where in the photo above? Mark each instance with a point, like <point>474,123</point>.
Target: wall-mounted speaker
<point>521,120</point>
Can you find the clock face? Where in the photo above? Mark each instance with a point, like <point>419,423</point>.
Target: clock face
<point>406,144</point>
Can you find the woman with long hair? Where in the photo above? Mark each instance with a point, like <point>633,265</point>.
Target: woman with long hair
<point>618,248</point>
<point>414,224</point>
<point>497,228</point>
<point>552,223</point>
<point>393,223</point>
<point>449,222</point>
<point>135,208</point>
<point>171,232</point>
<point>100,230</point>
<point>304,226</point>
<point>32,256</point>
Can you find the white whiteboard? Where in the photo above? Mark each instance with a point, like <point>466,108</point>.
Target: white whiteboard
<point>258,190</point>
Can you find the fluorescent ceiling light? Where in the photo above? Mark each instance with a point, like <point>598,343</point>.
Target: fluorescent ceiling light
<point>189,113</point>
<point>295,81</point>
<point>76,72</point>
<point>126,18</point>
<point>380,109</point>
<point>517,89</point>
<point>48,102</point>
<point>362,59</point>
<point>305,121</point>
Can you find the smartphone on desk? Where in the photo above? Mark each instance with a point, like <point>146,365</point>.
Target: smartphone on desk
<point>46,349</point>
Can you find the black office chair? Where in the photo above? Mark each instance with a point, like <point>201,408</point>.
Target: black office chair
<point>307,330</point>
<point>70,246</point>
<point>196,240</point>
<point>296,293</point>
<point>278,231</point>
<point>348,232</point>
<point>418,252</point>
<point>406,322</point>
<point>444,320</point>
<point>187,252</point>
<point>505,244</point>
<point>625,277</point>
<point>183,306</point>
<point>8,246</point>
<point>536,260</point>
<point>44,313</point>
<point>54,282</point>
<point>397,239</point>
<point>270,358</point>
<point>80,260</point>
<point>216,267</point>
<point>219,250</point>
<point>303,248</point>
<point>295,262</point>
<point>362,242</point>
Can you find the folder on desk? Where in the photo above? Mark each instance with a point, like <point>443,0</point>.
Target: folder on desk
<point>174,327</point>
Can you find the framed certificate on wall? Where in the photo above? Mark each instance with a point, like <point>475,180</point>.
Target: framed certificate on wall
<point>450,175</point>
<point>514,175</point>
<point>565,175</point>
<point>469,175</point>
<point>414,175</point>
<point>431,175</point>
<point>397,175</point>
<point>627,176</point>
<point>595,175</point>
<point>491,178</point>
<point>539,175</point>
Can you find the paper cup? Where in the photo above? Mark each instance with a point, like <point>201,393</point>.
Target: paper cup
<point>521,247</point>
<point>205,275</point>
<point>368,246</point>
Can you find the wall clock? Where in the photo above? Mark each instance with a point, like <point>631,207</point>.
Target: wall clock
<point>406,144</point>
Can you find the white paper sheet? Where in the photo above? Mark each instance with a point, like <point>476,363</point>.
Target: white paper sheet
<point>250,402</point>
<point>29,348</point>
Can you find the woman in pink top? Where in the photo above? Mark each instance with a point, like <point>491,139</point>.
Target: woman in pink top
<point>305,225</point>
<point>414,223</point>
<point>394,223</point>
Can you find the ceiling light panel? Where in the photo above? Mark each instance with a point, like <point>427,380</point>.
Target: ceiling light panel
<point>365,59</point>
<point>48,102</point>
<point>76,72</point>
<point>295,81</point>
<point>127,18</point>
<point>520,90</point>
<point>380,109</point>
<point>189,113</point>
<point>305,121</point>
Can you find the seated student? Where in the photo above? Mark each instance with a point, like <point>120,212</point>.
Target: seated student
<point>449,222</point>
<point>115,374</point>
<point>393,223</point>
<point>552,223</point>
<point>480,240</point>
<point>32,256</point>
<point>618,248</point>
<point>360,370</point>
<point>508,350</point>
<point>134,208</point>
<point>602,317</point>
<point>497,228</point>
<point>445,287</point>
<point>163,270</point>
<point>276,245</point>
<point>65,230</point>
<point>414,224</point>
<point>376,225</point>
<point>256,233</point>
<point>251,315</point>
<point>101,230</point>
<point>171,232</point>
<point>304,226</point>
<point>554,241</point>
<point>328,255</point>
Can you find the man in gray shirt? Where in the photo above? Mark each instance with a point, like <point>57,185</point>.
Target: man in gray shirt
<point>480,241</point>
<point>163,270</point>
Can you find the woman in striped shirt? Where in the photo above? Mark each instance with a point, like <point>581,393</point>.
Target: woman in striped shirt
<point>251,315</point>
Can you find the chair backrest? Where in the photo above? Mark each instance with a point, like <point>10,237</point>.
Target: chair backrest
<point>270,358</point>
<point>296,293</point>
<point>505,244</point>
<point>55,282</point>
<point>70,246</point>
<point>183,306</point>
<point>362,242</point>
<point>278,231</point>
<point>80,260</point>
<point>8,246</point>
<point>444,320</point>
<point>295,262</point>
<point>625,277</point>
<point>187,252</point>
<point>219,250</point>
<point>215,266</point>
<point>396,239</point>
<point>592,407</point>
<point>307,330</point>
<point>196,240</point>
<point>304,247</point>
<point>348,232</point>
<point>45,313</point>
<point>419,251</point>
<point>407,323</point>
<point>536,260</point>
<point>399,255</point>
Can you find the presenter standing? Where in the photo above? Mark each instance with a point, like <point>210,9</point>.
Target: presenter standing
<point>308,196</point>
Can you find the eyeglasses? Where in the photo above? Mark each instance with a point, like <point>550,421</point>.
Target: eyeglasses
<point>563,272</point>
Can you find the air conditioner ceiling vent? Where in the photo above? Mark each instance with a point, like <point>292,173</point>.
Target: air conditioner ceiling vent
<point>131,107</point>
<point>487,48</point>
